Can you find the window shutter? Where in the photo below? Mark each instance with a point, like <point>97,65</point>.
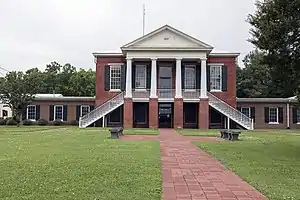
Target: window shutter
<point>51,112</point>
<point>123,77</point>
<point>92,107</point>
<point>280,115</point>
<point>106,78</point>
<point>295,115</point>
<point>38,112</point>
<point>208,77</point>
<point>24,114</point>
<point>148,75</point>
<point>266,115</point>
<point>198,77</point>
<point>78,107</point>
<point>182,76</point>
<point>224,78</point>
<point>133,75</point>
<point>65,117</point>
<point>252,110</point>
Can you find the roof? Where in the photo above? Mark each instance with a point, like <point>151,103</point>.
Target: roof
<point>174,30</point>
<point>266,100</point>
<point>60,97</point>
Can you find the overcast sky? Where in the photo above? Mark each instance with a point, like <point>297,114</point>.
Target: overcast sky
<point>36,32</point>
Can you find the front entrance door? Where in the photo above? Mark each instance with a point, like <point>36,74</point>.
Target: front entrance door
<point>165,115</point>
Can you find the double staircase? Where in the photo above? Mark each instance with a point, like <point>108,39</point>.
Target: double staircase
<point>214,102</point>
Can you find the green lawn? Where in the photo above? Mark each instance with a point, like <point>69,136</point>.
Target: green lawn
<point>268,160</point>
<point>141,131</point>
<point>69,163</point>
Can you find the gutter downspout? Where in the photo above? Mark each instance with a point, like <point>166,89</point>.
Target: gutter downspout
<point>288,114</point>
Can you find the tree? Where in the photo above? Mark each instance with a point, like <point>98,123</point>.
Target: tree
<point>276,32</point>
<point>83,83</point>
<point>254,80</point>
<point>17,90</point>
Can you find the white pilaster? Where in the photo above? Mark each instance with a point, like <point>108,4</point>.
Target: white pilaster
<point>128,92</point>
<point>178,79</point>
<point>203,79</point>
<point>153,92</point>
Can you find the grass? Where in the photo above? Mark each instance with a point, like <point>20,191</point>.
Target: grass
<point>141,131</point>
<point>197,132</point>
<point>268,160</point>
<point>70,163</point>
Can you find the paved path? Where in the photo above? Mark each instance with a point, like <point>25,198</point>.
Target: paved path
<point>190,173</point>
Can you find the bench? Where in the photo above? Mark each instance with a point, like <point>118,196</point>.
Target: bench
<point>116,132</point>
<point>231,135</point>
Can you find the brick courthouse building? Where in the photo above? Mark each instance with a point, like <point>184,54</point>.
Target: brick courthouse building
<point>167,79</point>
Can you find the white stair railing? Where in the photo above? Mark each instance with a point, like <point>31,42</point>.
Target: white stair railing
<point>101,110</point>
<point>230,112</point>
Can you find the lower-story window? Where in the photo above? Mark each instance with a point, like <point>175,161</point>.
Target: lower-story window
<point>246,111</point>
<point>298,115</point>
<point>31,112</point>
<point>273,115</point>
<point>58,113</point>
<point>85,109</point>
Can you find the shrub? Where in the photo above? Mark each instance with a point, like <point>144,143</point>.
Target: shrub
<point>42,122</point>
<point>28,122</point>
<point>74,123</point>
<point>2,122</point>
<point>11,122</point>
<point>57,123</point>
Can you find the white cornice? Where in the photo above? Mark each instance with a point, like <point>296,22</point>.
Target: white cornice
<point>107,54</point>
<point>224,54</point>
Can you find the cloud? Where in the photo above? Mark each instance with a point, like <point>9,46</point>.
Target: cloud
<point>34,33</point>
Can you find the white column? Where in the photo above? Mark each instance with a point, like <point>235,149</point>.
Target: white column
<point>178,79</point>
<point>228,123</point>
<point>203,79</point>
<point>103,121</point>
<point>153,93</point>
<point>288,115</point>
<point>128,93</point>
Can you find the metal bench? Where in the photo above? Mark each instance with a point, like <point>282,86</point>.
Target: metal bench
<point>116,132</point>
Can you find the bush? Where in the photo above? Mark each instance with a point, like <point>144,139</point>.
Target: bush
<point>11,122</point>
<point>2,122</point>
<point>74,123</point>
<point>42,122</point>
<point>57,123</point>
<point>28,122</point>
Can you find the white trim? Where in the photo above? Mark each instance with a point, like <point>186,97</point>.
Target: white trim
<point>288,114</point>
<point>110,69</point>
<point>115,64</point>
<point>115,90</point>
<point>140,99</point>
<point>89,109</point>
<point>166,100</point>
<point>34,113</point>
<point>249,109</point>
<point>215,64</point>
<point>273,123</point>
<point>167,27</point>
<point>191,100</point>
<point>107,54</point>
<point>216,90</point>
<point>221,78</point>
<point>277,115</point>
<point>54,116</point>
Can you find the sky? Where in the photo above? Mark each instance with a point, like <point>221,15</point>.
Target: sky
<point>34,33</point>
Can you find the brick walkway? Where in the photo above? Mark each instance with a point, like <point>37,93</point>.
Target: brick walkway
<point>190,173</point>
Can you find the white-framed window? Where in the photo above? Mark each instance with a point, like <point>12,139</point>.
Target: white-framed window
<point>246,111</point>
<point>273,115</point>
<point>140,76</point>
<point>85,109</point>
<point>215,77</point>
<point>58,112</point>
<point>298,116</point>
<point>190,77</point>
<point>115,77</point>
<point>31,112</point>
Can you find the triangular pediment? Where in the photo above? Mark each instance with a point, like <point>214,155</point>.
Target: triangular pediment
<point>167,37</point>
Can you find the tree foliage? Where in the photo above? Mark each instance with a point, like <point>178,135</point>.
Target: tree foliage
<point>276,32</point>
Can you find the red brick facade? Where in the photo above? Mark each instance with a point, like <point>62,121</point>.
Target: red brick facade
<point>128,113</point>
<point>178,113</point>
<point>153,113</point>
<point>203,118</point>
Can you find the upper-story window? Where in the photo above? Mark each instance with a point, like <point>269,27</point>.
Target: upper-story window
<point>115,77</point>
<point>140,76</point>
<point>31,112</point>
<point>190,77</point>
<point>216,78</point>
